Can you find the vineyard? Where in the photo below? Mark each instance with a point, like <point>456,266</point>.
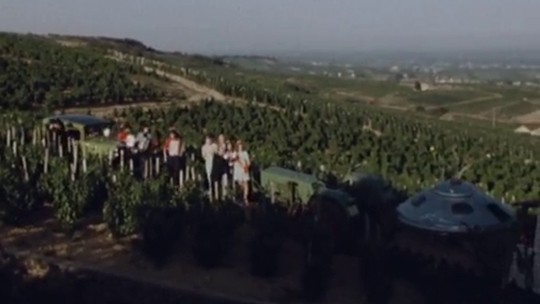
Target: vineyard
<point>37,72</point>
<point>411,153</point>
<point>72,187</point>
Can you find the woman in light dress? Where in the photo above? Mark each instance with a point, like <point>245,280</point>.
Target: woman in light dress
<point>241,169</point>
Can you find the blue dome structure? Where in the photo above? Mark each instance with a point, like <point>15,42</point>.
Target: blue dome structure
<point>455,206</point>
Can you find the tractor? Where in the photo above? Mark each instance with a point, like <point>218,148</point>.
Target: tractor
<point>93,133</point>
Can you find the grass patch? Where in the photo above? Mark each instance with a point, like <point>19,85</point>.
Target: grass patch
<point>520,93</point>
<point>481,106</point>
<point>443,98</point>
<point>518,109</point>
<point>369,88</point>
<point>486,125</point>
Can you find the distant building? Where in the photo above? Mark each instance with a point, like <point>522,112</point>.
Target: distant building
<point>421,86</point>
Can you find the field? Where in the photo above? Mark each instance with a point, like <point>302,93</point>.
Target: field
<point>74,206</point>
<point>272,75</point>
<point>519,109</point>
<point>442,98</point>
<point>483,106</point>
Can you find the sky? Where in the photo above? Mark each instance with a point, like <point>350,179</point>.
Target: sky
<point>270,26</point>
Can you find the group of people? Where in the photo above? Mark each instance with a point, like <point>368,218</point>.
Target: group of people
<point>224,162</point>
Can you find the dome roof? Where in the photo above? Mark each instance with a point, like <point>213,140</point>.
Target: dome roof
<point>454,206</point>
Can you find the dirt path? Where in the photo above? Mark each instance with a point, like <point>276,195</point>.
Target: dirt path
<point>203,92</point>
<point>195,91</point>
<point>200,91</point>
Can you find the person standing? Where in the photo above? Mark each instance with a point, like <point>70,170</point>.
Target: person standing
<point>122,135</point>
<point>219,164</point>
<point>142,146</point>
<point>208,152</point>
<point>130,139</point>
<point>143,139</point>
<point>183,156</point>
<point>228,156</point>
<point>166,143</point>
<point>56,135</point>
<point>241,169</point>
<point>125,141</point>
<point>175,150</point>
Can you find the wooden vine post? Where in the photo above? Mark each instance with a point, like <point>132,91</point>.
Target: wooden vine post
<point>75,162</point>
<point>46,161</point>
<point>84,160</point>
<point>25,169</point>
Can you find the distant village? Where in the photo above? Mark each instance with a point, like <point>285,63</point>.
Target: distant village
<point>433,74</point>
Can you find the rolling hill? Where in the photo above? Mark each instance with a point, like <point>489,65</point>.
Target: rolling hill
<point>74,71</point>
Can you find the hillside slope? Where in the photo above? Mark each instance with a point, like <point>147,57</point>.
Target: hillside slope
<point>77,72</point>
<point>36,72</point>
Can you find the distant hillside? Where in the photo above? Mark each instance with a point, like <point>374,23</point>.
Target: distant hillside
<point>66,71</point>
<point>127,45</point>
<point>36,71</point>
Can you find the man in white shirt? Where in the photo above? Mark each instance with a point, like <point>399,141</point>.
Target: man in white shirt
<point>142,149</point>
<point>208,150</point>
<point>143,139</point>
<point>130,139</point>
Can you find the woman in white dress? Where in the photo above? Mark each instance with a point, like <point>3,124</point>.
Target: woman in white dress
<point>241,169</point>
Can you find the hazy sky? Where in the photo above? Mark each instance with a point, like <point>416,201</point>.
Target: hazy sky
<point>259,26</point>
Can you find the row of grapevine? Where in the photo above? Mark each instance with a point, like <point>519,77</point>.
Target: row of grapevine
<point>33,177</point>
<point>36,71</point>
<point>413,153</point>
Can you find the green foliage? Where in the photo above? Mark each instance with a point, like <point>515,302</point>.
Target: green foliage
<point>519,108</point>
<point>37,71</point>
<point>481,106</point>
<point>119,211</point>
<point>160,226</point>
<point>266,243</point>
<point>443,98</point>
<point>18,197</point>
<point>131,202</point>
<point>213,226</point>
<point>71,196</point>
<point>412,152</point>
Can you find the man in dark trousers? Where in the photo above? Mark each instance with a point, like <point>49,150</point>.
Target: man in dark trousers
<point>56,135</point>
<point>142,146</point>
